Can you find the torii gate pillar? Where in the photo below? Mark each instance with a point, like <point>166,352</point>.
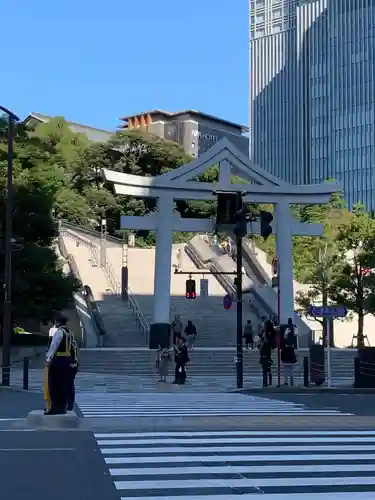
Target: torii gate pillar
<point>284,254</point>
<point>160,329</point>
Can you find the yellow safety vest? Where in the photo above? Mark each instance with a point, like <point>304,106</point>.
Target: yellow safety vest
<point>68,343</point>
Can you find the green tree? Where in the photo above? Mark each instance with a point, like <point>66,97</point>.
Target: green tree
<point>325,268</point>
<point>146,154</point>
<point>355,286</point>
<point>39,285</point>
<point>88,168</point>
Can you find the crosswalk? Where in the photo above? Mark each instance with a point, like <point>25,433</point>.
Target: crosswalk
<point>191,405</point>
<point>279,465</point>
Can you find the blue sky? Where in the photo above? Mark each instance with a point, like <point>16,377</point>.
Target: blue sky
<point>94,61</point>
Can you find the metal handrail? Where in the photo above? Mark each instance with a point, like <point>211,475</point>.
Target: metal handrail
<point>111,276</point>
<point>211,266</point>
<point>132,303</point>
<point>89,232</point>
<point>113,282</point>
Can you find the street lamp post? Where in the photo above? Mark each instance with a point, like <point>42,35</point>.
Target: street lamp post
<point>7,306</point>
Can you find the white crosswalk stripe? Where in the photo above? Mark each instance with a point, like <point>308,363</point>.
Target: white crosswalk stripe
<point>279,465</point>
<point>193,405</point>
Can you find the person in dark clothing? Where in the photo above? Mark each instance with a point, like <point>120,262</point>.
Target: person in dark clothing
<point>291,333</point>
<point>181,358</point>
<point>288,359</point>
<point>248,335</point>
<point>266,361</point>
<point>190,335</point>
<point>73,369</point>
<point>58,362</point>
<point>270,333</point>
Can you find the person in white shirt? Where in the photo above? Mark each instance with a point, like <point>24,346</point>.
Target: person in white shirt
<point>58,359</point>
<point>51,333</point>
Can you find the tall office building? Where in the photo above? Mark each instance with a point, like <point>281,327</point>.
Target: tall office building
<point>312,92</point>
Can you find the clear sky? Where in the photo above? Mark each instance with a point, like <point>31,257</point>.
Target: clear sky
<point>93,61</point>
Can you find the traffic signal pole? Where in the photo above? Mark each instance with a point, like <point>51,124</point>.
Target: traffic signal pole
<point>239,353</point>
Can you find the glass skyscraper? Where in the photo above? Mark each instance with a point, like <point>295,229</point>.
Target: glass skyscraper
<point>312,92</point>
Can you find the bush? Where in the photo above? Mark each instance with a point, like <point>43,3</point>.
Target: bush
<point>29,339</point>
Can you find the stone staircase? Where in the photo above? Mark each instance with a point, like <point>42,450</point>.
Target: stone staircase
<point>118,319</point>
<point>216,327</point>
<point>217,362</point>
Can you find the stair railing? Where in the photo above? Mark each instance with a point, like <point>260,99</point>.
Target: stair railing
<point>114,283</point>
<point>223,280</point>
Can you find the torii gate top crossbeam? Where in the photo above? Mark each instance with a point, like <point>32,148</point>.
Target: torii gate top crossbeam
<point>180,183</point>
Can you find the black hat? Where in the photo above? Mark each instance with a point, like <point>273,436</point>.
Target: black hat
<point>60,318</point>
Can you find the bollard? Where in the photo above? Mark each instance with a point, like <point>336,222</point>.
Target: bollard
<point>26,374</point>
<point>357,372</point>
<point>306,371</point>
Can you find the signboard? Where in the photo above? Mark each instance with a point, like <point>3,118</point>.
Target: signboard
<point>227,302</point>
<point>204,288</point>
<point>275,266</point>
<point>204,135</point>
<point>328,311</point>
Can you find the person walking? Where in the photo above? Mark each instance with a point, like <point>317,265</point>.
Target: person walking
<point>163,365</point>
<point>288,359</point>
<point>190,335</point>
<point>181,358</point>
<point>265,352</point>
<point>177,328</point>
<point>248,335</point>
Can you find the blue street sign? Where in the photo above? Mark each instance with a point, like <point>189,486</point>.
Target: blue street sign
<point>227,302</point>
<point>328,311</point>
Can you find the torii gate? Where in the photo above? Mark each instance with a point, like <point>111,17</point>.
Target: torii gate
<point>262,188</point>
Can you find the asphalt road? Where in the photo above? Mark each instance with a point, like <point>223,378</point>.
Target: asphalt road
<point>16,404</point>
<point>357,404</point>
<point>58,465</point>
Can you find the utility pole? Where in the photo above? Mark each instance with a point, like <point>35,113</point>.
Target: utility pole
<point>240,230</point>
<point>7,306</point>
<point>239,350</point>
<point>231,215</point>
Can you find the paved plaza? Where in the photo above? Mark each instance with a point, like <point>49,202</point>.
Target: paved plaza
<point>116,383</point>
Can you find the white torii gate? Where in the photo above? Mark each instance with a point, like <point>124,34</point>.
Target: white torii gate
<point>262,188</point>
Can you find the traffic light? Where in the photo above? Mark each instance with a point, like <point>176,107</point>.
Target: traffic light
<point>265,224</point>
<point>190,289</point>
<point>240,227</point>
<point>227,206</point>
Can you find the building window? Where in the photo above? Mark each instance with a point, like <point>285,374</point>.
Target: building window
<point>276,28</point>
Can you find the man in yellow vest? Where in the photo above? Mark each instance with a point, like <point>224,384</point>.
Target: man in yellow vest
<point>58,360</point>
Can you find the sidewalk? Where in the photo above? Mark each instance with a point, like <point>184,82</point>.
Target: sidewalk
<point>32,465</point>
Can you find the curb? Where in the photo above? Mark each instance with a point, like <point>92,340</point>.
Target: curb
<point>18,389</point>
<point>37,419</point>
<point>304,390</point>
